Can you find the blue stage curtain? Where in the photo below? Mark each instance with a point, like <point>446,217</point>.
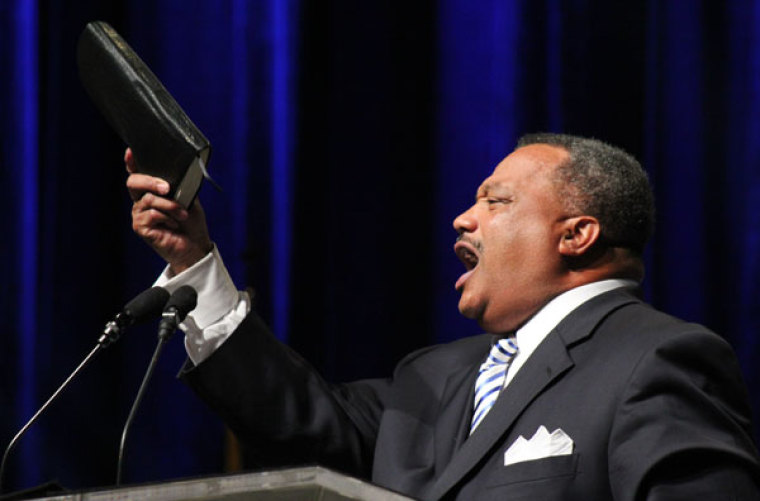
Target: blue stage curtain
<point>347,136</point>
<point>69,257</point>
<point>20,207</point>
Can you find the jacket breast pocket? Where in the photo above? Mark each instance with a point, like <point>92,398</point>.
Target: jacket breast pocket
<point>554,472</point>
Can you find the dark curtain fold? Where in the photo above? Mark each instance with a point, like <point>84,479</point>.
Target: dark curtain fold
<point>347,136</point>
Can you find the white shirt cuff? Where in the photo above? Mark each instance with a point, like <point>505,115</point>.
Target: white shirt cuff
<point>221,307</point>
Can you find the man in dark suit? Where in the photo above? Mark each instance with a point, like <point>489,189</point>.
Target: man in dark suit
<point>579,391</point>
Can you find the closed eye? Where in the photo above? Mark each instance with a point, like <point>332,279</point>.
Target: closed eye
<point>492,201</point>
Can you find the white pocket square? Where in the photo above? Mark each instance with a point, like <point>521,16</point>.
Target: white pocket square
<point>541,445</point>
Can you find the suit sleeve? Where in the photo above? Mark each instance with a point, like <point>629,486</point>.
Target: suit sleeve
<point>683,428</point>
<point>282,410</point>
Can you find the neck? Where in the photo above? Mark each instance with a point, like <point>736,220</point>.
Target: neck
<point>612,262</point>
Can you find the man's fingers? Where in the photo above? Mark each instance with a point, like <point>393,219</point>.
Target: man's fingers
<point>176,234</point>
<point>145,221</point>
<point>149,201</point>
<point>129,161</point>
<point>139,184</point>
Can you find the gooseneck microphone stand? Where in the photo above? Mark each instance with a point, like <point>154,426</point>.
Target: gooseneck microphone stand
<point>181,302</point>
<point>144,306</point>
<point>140,393</point>
<point>34,418</point>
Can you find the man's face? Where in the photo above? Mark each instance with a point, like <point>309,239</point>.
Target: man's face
<point>509,241</point>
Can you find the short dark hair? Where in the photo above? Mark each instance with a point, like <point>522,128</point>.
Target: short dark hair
<point>605,182</point>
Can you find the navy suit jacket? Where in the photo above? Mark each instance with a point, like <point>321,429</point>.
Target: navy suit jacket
<point>656,409</point>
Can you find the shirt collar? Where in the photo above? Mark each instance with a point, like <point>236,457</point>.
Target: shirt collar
<point>530,335</point>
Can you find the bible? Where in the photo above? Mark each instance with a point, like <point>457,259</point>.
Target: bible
<point>164,141</point>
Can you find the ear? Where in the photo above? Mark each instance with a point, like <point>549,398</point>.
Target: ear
<point>579,234</point>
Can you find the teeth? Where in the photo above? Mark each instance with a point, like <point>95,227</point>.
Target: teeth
<point>470,260</point>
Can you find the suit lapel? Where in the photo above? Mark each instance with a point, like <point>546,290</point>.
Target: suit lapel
<point>547,363</point>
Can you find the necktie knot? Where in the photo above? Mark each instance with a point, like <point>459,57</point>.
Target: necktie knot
<point>502,352</point>
<point>491,378</point>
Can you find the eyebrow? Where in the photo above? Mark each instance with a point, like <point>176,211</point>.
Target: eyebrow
<point>486,188</point>
<point>483,190</point>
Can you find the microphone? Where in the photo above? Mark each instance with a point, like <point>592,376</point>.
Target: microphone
<point>146,305</point>
<point>143,307</point>
<point>181,302</point>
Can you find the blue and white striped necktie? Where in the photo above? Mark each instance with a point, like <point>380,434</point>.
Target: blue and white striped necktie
<point>491,378</point>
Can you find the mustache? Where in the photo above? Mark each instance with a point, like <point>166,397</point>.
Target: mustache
<point>477,244</point>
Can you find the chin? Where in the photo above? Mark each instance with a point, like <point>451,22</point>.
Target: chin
<point>471,311</point>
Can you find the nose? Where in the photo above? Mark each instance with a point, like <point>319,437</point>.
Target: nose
<point>466,221</point>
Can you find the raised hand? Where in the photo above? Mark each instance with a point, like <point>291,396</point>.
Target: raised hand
<point>179,236</point>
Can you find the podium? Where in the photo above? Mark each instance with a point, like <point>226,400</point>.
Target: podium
<point>298,484</point>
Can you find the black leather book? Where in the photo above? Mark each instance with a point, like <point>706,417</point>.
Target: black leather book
<point>164,140</point>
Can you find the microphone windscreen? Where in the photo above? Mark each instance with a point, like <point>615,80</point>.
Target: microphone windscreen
<point>146,305</point>
<point>183,300</point>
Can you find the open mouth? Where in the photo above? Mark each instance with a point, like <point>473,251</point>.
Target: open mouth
<point>467,253</point>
